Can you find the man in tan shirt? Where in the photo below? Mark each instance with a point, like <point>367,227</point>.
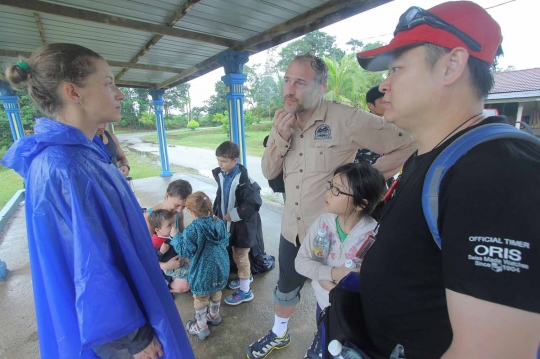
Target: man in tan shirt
<point>310,138</point>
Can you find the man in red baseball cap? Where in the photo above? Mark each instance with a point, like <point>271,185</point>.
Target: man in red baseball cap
<point>478,296</point>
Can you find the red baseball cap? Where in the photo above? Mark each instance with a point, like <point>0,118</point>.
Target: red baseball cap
<point>466,17</point>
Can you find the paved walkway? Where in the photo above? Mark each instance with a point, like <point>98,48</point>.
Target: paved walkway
<point>241,325</point>
<point>202,160</point>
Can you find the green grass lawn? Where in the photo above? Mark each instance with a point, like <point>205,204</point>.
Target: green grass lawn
<point>210,139</point>
<point>10,180</point>
<point>142,166</point>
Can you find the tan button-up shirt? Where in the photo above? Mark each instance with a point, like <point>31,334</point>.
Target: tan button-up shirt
<point>330,139</point>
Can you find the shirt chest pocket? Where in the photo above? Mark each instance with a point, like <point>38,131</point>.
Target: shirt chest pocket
<point>322,157</point>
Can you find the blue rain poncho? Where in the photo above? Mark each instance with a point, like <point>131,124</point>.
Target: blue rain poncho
<point>95,274</point>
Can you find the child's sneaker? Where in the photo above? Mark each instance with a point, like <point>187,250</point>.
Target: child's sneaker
<point>213,321</point>
<point>235,284</point>
<point>193,329</point>
<point>315,350</point>
<point>264,346</point>
<point>239,297</point>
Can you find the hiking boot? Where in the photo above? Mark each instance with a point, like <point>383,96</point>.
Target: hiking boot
<point>213,321</point>
<point>264,346</point>
<point>235,284</point>
<point>314,351</point>
<point>239,297</point>
<point>193,329</point>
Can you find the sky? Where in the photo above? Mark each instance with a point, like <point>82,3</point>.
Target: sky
<point>518,20</point>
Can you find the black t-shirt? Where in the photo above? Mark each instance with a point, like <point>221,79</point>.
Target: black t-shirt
<point>489,205</point>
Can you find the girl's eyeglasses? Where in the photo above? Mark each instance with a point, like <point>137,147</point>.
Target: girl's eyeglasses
<point>336,191</point>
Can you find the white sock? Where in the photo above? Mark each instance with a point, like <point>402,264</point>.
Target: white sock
<point>244,285</point>
<point>280,326</point>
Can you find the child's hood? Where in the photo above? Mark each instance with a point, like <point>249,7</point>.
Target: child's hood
<point>214,231</point>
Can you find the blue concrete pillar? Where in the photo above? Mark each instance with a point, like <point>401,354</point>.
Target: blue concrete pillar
<point>233,63</point>
<point>157,97</point>
<point>11,104</point>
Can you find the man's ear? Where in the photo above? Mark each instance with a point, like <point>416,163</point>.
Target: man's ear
<point>235,161</point>
<point>455,63</point>
<point>322,89</point>
<point>371,107</point>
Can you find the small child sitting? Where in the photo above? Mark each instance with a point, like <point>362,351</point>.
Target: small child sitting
<point>204,242</point>
<point>162,222</point>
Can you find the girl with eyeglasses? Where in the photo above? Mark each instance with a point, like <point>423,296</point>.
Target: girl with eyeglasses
<point>352,195</point>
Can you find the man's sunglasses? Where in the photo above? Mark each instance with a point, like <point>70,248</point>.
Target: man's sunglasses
<point>416,16</point>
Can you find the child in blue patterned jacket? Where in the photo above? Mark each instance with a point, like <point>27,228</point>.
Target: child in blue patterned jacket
<point>204,242</point>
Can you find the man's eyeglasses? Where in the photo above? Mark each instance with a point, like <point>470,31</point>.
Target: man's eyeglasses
<point>416,16</point>
<point>336,191</point>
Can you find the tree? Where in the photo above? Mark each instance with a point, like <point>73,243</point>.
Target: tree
<point>372,45</point>
<point>348,82</point>
<point>217,102</point>
<point>147,120</point>
<point>175,98</point>
<point>355,45</point>
<point>316,42</point>
<point>192,125</point>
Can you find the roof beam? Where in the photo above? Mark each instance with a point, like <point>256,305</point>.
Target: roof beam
<point>317,18</point>
<point>178,15</point>
<point>129,65</point>
<point>135,84</point>
<point>40,28</point>
<point>100,18</point>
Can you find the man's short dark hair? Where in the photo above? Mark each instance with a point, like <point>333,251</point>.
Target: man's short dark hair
<point>228,150</point>
<point>318,65</point>
<point>373,94</point>
<point>481,76</point>
<point>179,188</point>
<point>156,217</point>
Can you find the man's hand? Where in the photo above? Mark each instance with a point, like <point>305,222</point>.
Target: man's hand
<point>164,248</point>
<point>152,351</point>
<point>283,122</point>
<point>338,273</point>
<point>227,218</point>
<point>173,263</point>
<point>174,231</point>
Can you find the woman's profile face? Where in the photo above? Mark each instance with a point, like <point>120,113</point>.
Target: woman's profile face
<point>100,98</point>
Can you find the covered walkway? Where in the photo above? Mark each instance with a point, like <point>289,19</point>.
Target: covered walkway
<point>241,325</point>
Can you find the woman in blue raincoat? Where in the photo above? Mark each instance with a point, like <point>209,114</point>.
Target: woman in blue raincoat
<point>97,284</point>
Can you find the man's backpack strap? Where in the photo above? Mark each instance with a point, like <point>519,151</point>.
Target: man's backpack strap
<point>450,155</point>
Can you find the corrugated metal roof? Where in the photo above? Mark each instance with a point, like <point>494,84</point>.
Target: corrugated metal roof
<point>513,95</point>
<point>18,30</point>
<point>242,19</point>
<point>154,11</point>
<point>516,81</point>
<point>170,51</point>
<point>124,30</point>
<point>153,77</point>
<point>113,43</point>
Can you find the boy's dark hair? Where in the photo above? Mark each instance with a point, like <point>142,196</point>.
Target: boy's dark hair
<point>179,188</point>
<point>156,217</point>
<point>366,184</point>
<point>228,149</point>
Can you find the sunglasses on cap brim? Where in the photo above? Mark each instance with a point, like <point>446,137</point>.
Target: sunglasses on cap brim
<point>416,16</point>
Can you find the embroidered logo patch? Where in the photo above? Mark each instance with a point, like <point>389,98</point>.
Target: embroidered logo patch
<point>323,132</point>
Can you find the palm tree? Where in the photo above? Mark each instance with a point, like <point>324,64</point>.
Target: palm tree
<point>347,82</point>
